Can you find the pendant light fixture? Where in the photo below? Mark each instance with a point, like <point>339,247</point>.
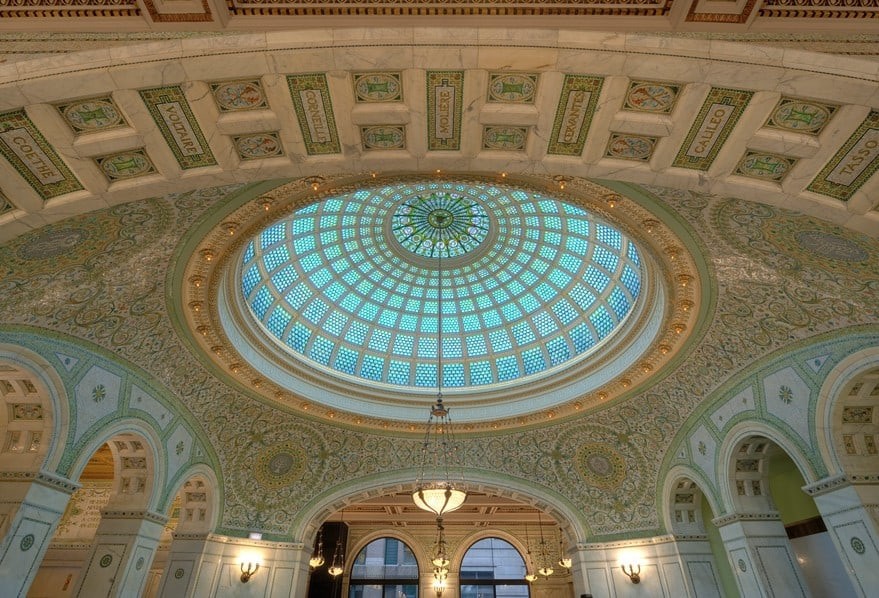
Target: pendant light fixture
<point>441,494</point>
<point>338,565</point>
<point>317,559</point>
<point>564,561</point>
<point>530,576</point>
<point>545,566</point>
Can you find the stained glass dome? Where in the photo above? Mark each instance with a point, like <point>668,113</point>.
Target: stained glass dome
<point>350,284</point>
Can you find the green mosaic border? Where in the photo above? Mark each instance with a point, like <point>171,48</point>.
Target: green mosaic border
<point>366,99</point>
<point>5,204</point>
<point>456,80</point>
<point>314,82</point>
<point>651,141</point>
<point>769,173</point>
<point>173,93</point>
<point>772,124</point>
<point>675,89</point>
<point>18,119</point>
<point>738,99</point>
<point>525,99</point>
<point>122,176</point>
<point>574,83</point>
<point>79,130</point>
<point>844,192</point>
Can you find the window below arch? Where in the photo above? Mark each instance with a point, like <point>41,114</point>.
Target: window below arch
<point>385,568</point>
<point>493,568</point>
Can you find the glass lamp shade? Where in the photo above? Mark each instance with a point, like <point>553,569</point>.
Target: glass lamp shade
<point>440,561</point>
<point>335,570</point>
<point>439,499</point>
<point>546,571</point>
<point>530,577</point>
<point>565,563</point>
<point>316,561</point>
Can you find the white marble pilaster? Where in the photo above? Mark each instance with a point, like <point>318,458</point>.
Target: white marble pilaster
<point>31,507</point>
<point>761,556</point>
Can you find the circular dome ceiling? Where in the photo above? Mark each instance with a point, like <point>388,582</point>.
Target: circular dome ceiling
<point>353,285</point>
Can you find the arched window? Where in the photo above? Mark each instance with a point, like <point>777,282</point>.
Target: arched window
<point>385,568</point>
<point>493,568</point>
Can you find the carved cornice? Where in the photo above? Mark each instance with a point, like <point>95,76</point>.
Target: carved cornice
<point>737,517</point>
<point>826,485</point>
<point>134,514</point>
<point>260,543</point>
<point>44,478</point>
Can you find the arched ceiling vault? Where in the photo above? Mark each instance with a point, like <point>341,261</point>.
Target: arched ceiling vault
<point>781,126</point>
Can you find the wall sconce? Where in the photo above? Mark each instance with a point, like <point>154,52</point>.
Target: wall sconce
<point>247,570</point>
<point>634,575</point>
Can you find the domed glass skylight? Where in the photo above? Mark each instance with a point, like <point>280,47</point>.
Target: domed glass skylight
<point>350,284</point>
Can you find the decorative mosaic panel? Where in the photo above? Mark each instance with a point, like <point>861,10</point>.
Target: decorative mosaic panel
<point>32,156</point>
<point>383,137</point>
<point>853,164</point>
<point>314,110</point>
<point>173,116</point>
<point>512,88</point>
<point>234,96</point>
<point>801,116</point>
<point>767,167</point>
<point>649,96</point>
<point>5,204</point>
<point>857,415</point>
<point>378,87</point>
<point>504,138</point>
<point>574,114</point>
<point>126,165</point>
<point>258,145</point>
<point>631,147</point>
<point>712,126</point>
<point>444,96</point>
<point>95,114</point>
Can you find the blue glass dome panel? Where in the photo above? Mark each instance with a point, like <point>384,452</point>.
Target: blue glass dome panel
<point>529,283</point>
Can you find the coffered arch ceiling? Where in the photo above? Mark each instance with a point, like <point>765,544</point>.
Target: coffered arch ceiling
<point>785,127</point>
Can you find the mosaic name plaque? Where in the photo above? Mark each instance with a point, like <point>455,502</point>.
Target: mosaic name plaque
<point>853,164</point>
<point>444,91</point>
<point>173,116</point>
<point>314,111</point>
<point>716,120</point>
<point>574,115</point>
<point>32,156</point>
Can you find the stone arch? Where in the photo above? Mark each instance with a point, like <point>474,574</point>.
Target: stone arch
<point>683,491</point>
<point>199,500</point>
<point>139,463</point>
<point>847,415</point>
<point>305,525</point>
<point>743,466</point>
<point>34,415</point>
<point>422,558</point>
<point>470,539</point>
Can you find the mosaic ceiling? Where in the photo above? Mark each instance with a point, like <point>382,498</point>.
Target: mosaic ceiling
<point>749,175</point>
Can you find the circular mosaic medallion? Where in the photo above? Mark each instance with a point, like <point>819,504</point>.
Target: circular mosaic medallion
<point>831,246</point>
<point>742,566</point>
<point>91,115</point>
<point>651,97</point>
<point>764,166</point>
<point>440,224</point>
<point>139,564</point>
<point>51,243</point>
<point>239,95</point>
<point>630,147</point>
<point>800,116</point>
<point>280,465</point>
<point>26,542</point>
<point>504,138</point>
<point>377,87</point>
<point>261,145</point>
<point>601,465</point>
<point>178,573</point>
<point>126,165</point>
<point>512,88</point>
<point>105,561</point>
<point>858,545</point>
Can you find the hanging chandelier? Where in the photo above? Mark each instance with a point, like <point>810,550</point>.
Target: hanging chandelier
<point>317,559</point>
<point>338,565</point>
<point>564,561</point>
<point>545,568</point>
<point>530,576</point>
<point>441,494</point>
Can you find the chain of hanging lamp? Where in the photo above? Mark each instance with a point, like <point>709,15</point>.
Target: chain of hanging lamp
<point>439,496</point>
